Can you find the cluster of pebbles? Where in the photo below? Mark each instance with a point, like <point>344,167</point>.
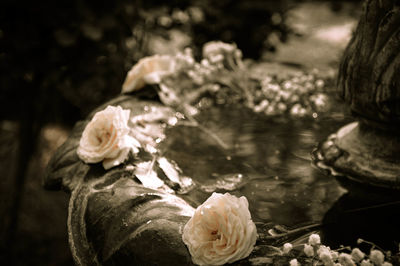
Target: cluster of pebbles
<point>297,93</point>
<point>222,78</point>
<point>300,95</point>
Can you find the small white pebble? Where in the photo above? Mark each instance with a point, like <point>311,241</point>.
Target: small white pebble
<point>366,263</point>
<point>308,86</point>
<point>294,98</point>
<point>287,85</point>
<point>323,248</point>
<point>294,262</point>
<point>270,110</point>
<point>357,255</point>
<point>314,239</point>
<point>335,255</point>
<point>326,258</point>
<point>345,259</point>
<point>284,95</point>
<point>261,106</point>
<point>319,83</point>
<point>308,250</point>
<point>287,247</point>
<point>376,257</point>
<point>281,107</point>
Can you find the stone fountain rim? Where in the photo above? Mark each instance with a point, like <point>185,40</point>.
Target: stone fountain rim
<point>353,166</point>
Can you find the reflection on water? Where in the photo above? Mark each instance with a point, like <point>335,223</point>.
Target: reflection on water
<point>268,161</point>
<point>364,212</point>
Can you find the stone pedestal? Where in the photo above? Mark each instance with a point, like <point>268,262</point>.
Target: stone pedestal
<point>368,151</point>
<point>362,154</point>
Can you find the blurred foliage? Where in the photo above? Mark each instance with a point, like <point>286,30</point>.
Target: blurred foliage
<point>61,59</point>
<point>247,23</point>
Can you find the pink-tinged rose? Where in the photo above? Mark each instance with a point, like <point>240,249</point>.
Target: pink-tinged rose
<point>149,70</point>
<point>220,231</point>
<point>106,138</point>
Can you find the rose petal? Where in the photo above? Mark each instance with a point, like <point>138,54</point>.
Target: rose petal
<point>111,162</point>
<point>220,231</point>
<point>148,70</point>
<point>105,138</point>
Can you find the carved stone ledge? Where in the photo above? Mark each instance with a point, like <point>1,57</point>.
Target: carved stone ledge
<point>368,151</point>
<point>362,154</point>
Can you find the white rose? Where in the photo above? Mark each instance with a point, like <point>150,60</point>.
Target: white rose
<point>106,138</point>
<point>220,231</point>
<point>148,70</point>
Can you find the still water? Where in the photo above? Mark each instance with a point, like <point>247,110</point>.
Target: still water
<point>268,160</point>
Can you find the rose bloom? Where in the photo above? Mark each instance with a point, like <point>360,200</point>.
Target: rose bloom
<point>148,70</point>
<point>220,231</point>
<point>106,138</point>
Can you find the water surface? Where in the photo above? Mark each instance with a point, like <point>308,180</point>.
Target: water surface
<point>267,160</point>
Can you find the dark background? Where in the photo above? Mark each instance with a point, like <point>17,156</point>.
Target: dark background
<point>60,59</point>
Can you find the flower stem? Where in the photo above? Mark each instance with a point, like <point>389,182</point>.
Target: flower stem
<point>208,132</point>
<point>290,232</point>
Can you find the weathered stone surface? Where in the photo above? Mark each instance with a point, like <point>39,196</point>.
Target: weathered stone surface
<point>368,151</point>
<point>65,170</point>
<point>368,75</point>
<point>361,154</point>
<point>124,223</point>
<point>113,219</point>
<point>366,213</point>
